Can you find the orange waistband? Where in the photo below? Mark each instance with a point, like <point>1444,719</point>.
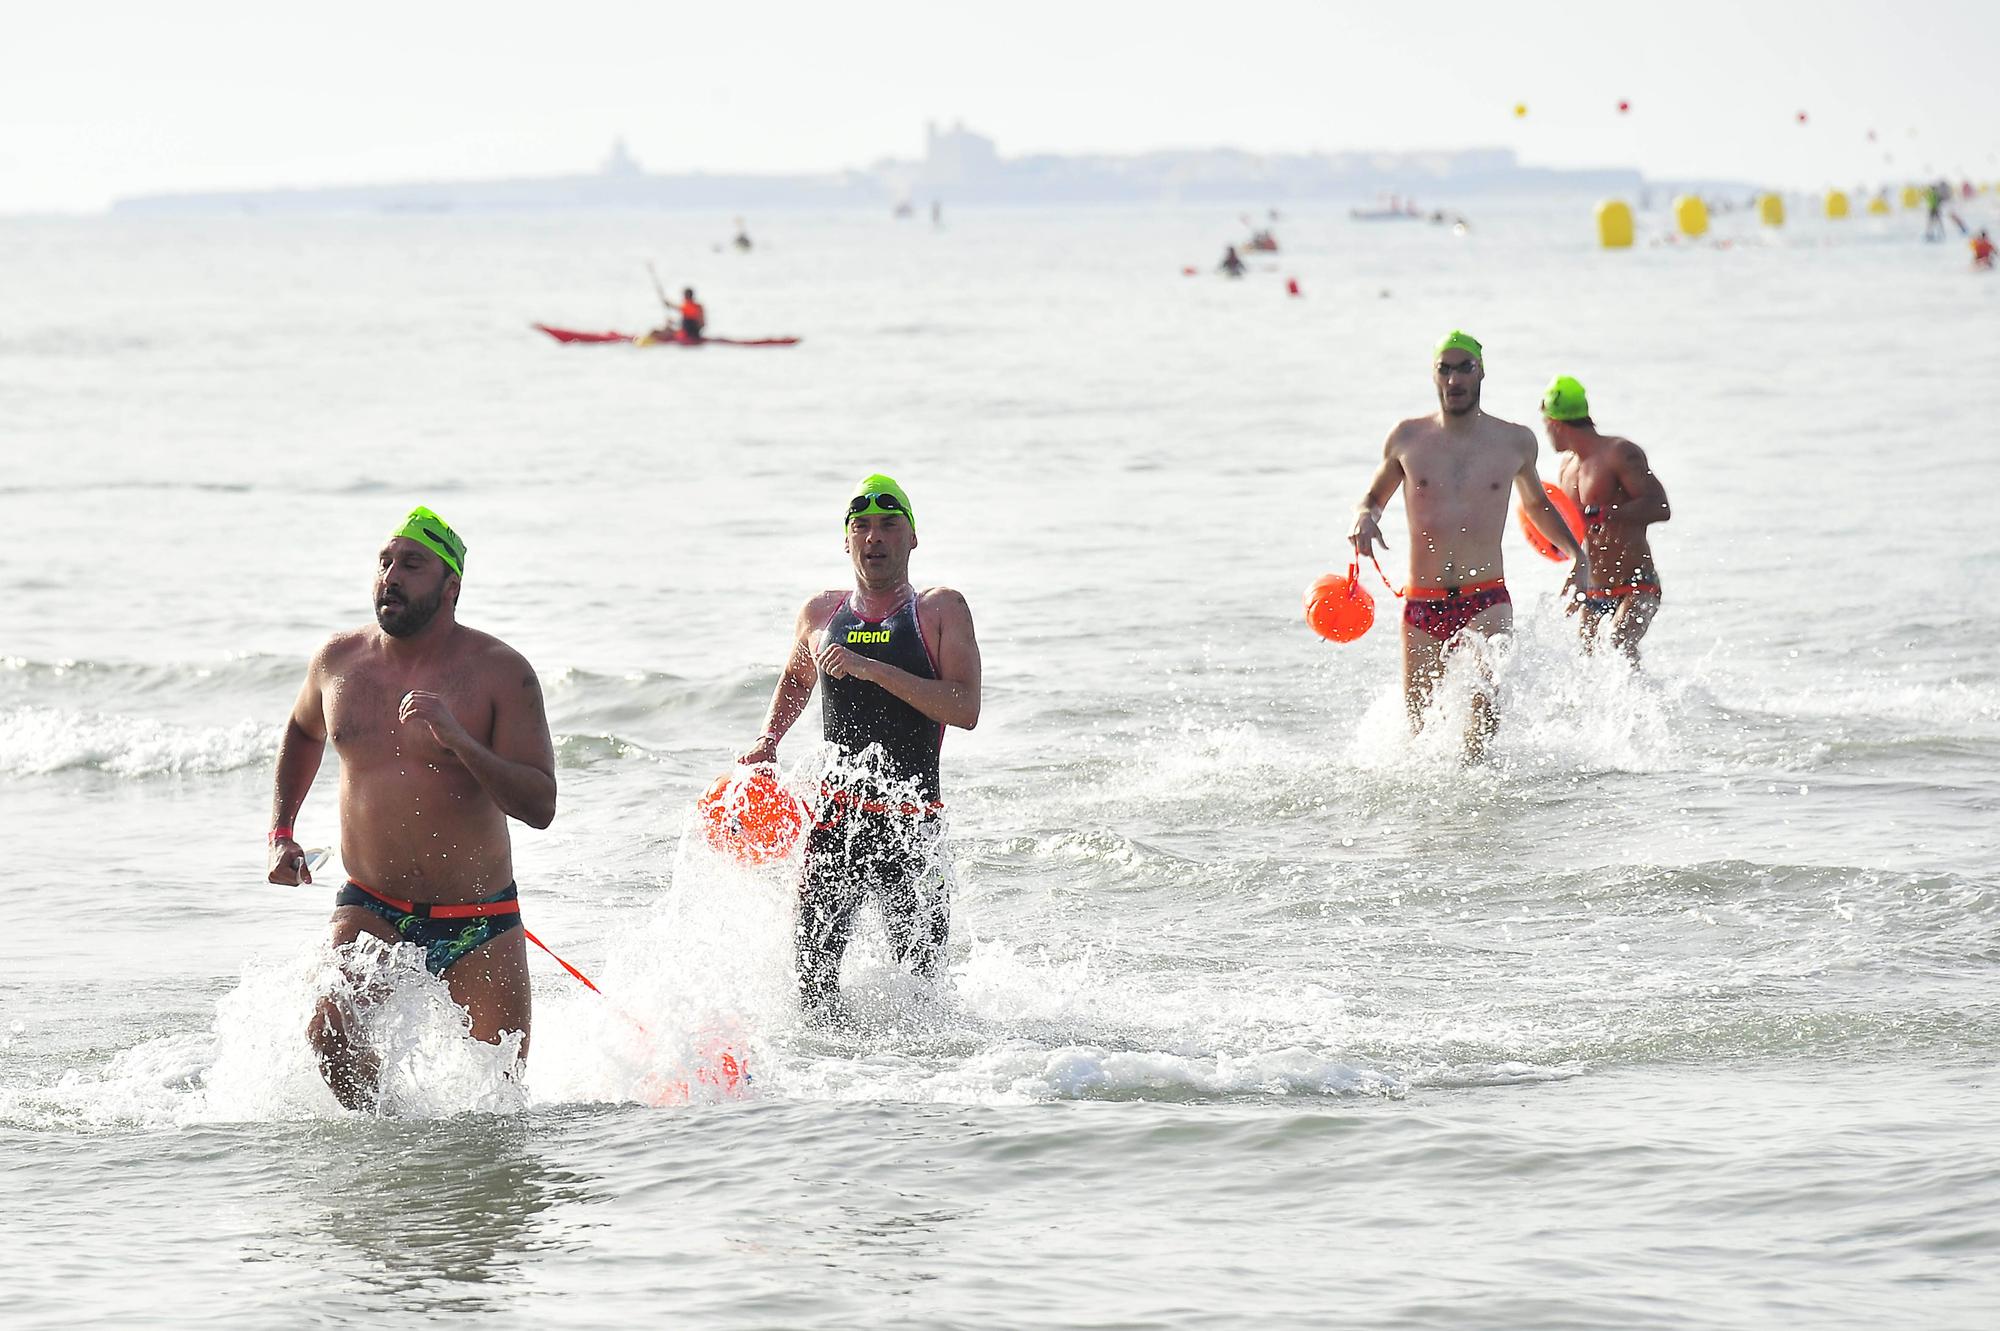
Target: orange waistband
<point>466,910</point>
<point>1624,589</point>
<point>1451,593</point>
<point>848,800</point>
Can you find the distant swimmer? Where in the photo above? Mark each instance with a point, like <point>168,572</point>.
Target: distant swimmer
<point>742,241</point>
<point>1232,264</point>
<point>1454,469</point>
<point>1614,487</point>
<point>1934,199</point>
<point>1982,250</point>
<point>441,737</point>
<point>894,667</point>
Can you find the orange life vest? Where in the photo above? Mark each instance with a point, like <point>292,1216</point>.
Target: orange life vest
<point>691,309</point>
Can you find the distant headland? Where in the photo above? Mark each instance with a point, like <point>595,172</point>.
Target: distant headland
<point>959,166</point>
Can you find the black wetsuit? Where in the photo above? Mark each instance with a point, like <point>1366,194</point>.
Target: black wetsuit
<point>877,830</point>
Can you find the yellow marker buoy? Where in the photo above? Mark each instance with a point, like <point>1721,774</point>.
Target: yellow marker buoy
<point>1879,206</point>
<point>1691,216</point>
<point>1912,197</point>
<point>1771,209</point>
<point>1614,224</point>
<point>1520,109</point>
<point>1836,204</point>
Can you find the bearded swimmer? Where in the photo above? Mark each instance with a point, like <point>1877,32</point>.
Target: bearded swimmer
<point>894,667</point>
<point>1614,487</point>
<point>442,737</point>
<point>1454,468</point>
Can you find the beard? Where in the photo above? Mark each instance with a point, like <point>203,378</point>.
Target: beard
<point>402,618</point>
<point>1470,404</point>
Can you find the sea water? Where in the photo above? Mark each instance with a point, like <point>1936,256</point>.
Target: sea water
<point>1678,1012</point>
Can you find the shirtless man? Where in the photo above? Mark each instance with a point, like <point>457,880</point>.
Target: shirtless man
<point>441,737</point>
<point>894,666</point>
<point>1619,496</point>
<point>1454,468</point>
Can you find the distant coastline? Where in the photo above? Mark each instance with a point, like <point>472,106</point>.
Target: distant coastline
<point>959,167</point>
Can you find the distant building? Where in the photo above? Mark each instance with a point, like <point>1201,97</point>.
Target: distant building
<point>620,164</point>
<point>957,156</point>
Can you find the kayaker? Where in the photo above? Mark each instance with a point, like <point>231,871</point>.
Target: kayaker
<point>1232,263</point>
<point>693,317</point>
<point>742,241</point>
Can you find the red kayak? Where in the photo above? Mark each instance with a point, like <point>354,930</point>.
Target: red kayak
<point>648,340</point>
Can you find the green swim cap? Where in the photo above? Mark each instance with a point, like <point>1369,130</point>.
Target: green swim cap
<point>435,535</point>
<point>1564,400</point>
<point>880,494</point>
<point>1460,341</point>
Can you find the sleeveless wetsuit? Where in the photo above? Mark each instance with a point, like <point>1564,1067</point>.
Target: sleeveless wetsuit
<point>877,831</point>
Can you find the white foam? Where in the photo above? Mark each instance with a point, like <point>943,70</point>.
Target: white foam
<point>35,741</point>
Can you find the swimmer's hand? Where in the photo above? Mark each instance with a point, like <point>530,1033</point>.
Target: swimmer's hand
<point>765,750</point>
<point>434,712</point>
<point>289,866</point>
<point>839,663</point>
<point>1367,534</point>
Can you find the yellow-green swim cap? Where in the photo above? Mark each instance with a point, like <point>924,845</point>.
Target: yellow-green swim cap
<point>434,534</point>
<point>1564,400</point>
<point>880,494</point>
<point>1456,340</point>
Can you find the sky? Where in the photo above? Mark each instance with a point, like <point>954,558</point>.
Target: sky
<point>101,99</point>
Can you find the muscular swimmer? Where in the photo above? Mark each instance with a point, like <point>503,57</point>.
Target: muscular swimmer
<point>442,737</point>
<point>1614,486</point>
<point>894,667</point>
<point>1455,468</point>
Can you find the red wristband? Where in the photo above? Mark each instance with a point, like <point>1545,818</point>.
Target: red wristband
<point>279,834</point>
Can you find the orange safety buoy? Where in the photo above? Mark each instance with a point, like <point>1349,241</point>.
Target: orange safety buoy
<point>1337,607</point>
<point>752,817</point>
<point>1571,515</point>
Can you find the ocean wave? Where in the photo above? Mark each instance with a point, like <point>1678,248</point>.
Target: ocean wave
<point>229,675</point>
<point>1089,1072</point>
<point>38,741</point>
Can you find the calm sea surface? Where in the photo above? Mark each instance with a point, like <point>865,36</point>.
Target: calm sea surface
<point>1682,1012</point>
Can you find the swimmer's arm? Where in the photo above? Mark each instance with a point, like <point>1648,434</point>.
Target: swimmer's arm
<point>1382,487</point>
<point>953,697</point>
<point>795,686</point>
<point>1535,503</point>
<point>300,750</point>
<point>518,770</point>
<point>1648,502</point>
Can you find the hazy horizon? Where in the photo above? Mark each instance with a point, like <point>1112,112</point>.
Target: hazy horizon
<point>123,99</point>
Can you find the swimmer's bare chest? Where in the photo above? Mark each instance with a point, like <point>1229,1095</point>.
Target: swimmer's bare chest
<point>362,701</point>
<point>1594,484</point>
<point>1459,482</point>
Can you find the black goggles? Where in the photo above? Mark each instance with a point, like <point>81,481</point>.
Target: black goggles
<point>883,503</point>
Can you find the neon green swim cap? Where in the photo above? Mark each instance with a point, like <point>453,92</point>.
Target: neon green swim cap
<point>1460,341</point>
<point>880,494</point>
<point>434,534</point>
<point>1564,400</point>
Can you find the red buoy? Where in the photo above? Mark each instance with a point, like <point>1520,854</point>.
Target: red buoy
<point>752,817</point>
<point>1337,608</point>
<point>1571,515</point>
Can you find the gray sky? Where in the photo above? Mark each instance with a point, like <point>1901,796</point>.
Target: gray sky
<point>101,99</point>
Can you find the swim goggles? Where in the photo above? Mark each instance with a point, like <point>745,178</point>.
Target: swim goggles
<point>876,503</point>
